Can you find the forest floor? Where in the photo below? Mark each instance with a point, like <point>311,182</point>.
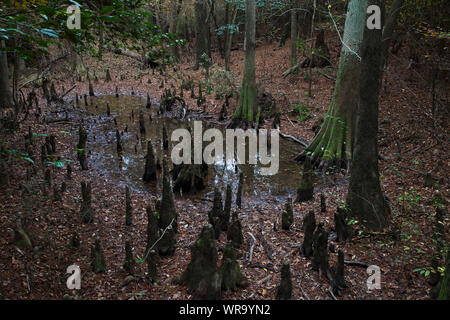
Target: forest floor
<point>409,144</point>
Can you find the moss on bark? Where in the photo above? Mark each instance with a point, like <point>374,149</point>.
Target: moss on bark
<point>232,277</point>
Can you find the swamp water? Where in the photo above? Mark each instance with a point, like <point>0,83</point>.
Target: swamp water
<point>129,168</point>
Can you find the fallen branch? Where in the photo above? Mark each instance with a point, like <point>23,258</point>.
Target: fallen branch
<point>266,246</point>
<point>67,92</point>
<point>291,70</point>
<point>293,139</point>
<point>326,75</point>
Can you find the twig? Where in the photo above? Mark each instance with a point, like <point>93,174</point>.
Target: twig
<point>165,230</point>
<point>67,92</point>
<point>265,279</point>
<point>287,117</point>
<point>303,292</point>
<point>331,293</point>
<point>326,75</point>
<point>342,40</point>
<point>252,244</point>
<point>28,284</point>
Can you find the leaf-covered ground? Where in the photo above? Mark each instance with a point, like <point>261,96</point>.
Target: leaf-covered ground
<point>411,144</point>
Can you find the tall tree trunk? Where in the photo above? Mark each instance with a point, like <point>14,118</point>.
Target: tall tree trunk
<point>311,49</point>
<point>365,198</point>
<point>202,31</point>
<point>388,30</point>
<point>231,13</point>
<point>6,100</point>
<point>246,112</point>
<point>174,28</point>
<point>333,142</point>
<point>294,32</point>
<point>389,26</point>
<point>220,37</point>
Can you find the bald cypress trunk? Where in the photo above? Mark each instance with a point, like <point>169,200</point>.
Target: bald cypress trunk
<point>365,198</point>
<point>246,111</point>
<point>293,35</point>
<point>230,15</point>
<point>202,32</point>
<point>333,143</point>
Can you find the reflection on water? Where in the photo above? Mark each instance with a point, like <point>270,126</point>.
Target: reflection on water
<point>129,168</point>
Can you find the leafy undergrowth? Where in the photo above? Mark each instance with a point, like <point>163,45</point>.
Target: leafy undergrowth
<point>408,144</point>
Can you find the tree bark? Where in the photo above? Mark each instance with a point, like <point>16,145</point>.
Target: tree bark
<point>246,110</point>
<point>173,28</point>
<point>6,100</point>
<point>389,26</point>
<point>202,32</point>
<point>365,198</point>
<point>333,143</point>
<point>293,36</point>
<point>231,13</point>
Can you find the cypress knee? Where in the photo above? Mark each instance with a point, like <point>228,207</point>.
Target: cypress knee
<point>338,282</point>
<point>216,213</point>
<point>167,215</point>
<point>340,225</point>
<point>150,165</point>
<point>225,218</point>
<point>86,211</point>
<point>128,208</point>
<point>323,204</point>
<point>284,291</point>
<point>82,148</point>
<point>151,250</point>
<point>108,76</point>
<point>309,225</point>
<point>234,233</point>
<point>201,276</point>
<point>141,122</point>
<point>119,143</point>
<point>320,251</point>
<point>129,259</point>
<point>306,190</point>
<point>230,271</point>
<point>287,217</point>
<point>149,103</point>
<point>97,258</point>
